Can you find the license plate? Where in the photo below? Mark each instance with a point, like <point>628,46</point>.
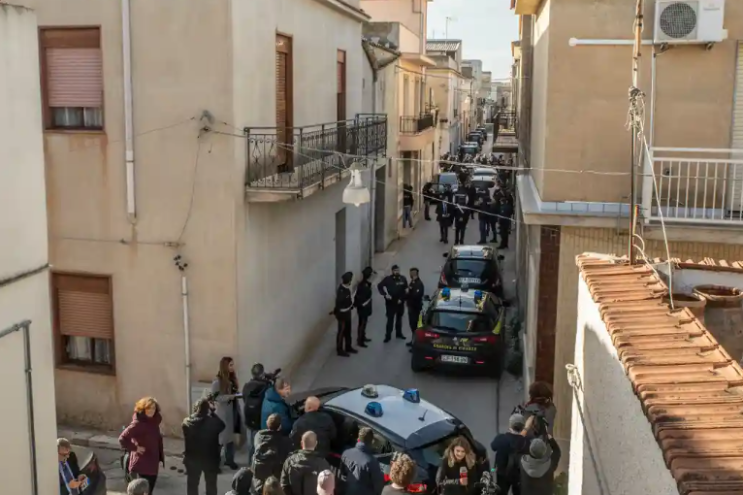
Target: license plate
<point>455,359</point>
<point>469,280</point>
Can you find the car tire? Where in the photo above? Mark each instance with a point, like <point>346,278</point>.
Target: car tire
<point>417,364</point>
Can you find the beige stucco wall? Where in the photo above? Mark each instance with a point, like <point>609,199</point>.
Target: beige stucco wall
<point>577,240</point>
<point>23,225</point>
<point>406,12</point>
<point>613,449</point>
<point>580,116</point>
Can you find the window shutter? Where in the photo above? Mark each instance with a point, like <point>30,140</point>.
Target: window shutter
<point>84,306</point>
<point>74,77</point>
<point>282,97</point>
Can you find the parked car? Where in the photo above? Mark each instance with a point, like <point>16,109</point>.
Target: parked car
<point>447,179</point>
<point>476,266</point>
<point>461,328</point>
<point>403,422</point>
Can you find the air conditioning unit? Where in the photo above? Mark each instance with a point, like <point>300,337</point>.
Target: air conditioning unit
<point>689,21</point>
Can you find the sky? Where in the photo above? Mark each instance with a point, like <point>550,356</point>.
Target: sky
<point>486,28</point>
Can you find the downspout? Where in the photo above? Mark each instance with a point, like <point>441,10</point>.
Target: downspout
<point>373,173</point>
<point>25,326</point>
<point>186,339</point>
<point>126,41</point>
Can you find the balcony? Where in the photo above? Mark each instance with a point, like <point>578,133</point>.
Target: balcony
<point>294,162</point>
<point>693,186</point>
<point>508,121</point>
<point>416,133</point>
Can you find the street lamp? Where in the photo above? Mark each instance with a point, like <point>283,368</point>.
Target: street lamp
<point>355,192</point>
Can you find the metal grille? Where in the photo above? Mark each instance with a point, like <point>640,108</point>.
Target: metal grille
<point>678,20</point>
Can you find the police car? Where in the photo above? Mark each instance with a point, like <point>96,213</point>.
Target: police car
<point>474,266</point>
<point>403,422</point>
<point>461,328</point>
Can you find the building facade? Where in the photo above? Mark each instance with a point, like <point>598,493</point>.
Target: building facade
<point>29,422</point>
<point>575,64</point>
<point>186,185</point>
<point>445,84</point>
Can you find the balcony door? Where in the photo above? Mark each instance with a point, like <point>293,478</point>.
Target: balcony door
<point>284,102</point>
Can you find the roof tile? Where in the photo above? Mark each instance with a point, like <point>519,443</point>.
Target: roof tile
<point>690,388</point>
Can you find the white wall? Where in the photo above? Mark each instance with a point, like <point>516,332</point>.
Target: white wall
<point>24,247</point>
<point>625,456</point>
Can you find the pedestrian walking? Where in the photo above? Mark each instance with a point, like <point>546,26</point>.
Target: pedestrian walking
<point>416,291</point>
<point>538,467</point>
<point>402,474</point>
<point>504,222</point>
<point>144,442</point>
<point>272,487</point>
<point>317,421</point>
<point>275,403</point>
<point>363,303</point>
<point>407,206</point>
<point>138,487</point>
<point>360,470</point>
<point>444,217</point>
<point>225,388</point>
<point>241,482</point>
<point>394,288</point>
<point>202,451</point>
<point>326,483</point>
<point>509,447</point>
<point>457,472</point>
<point>71,481</point>
<point>342,311</point>
<point>271,450</point>
<point>300,471</point>
<point>253,393</point>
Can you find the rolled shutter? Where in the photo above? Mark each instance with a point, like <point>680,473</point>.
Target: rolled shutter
<point>282,97</point>
<point>735,176</point>
<point>84,306</point>
<point>74,77</point>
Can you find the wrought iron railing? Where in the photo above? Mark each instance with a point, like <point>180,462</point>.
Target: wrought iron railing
<point>414,125</point>
<point>298,157</point>
<point>693,185</point>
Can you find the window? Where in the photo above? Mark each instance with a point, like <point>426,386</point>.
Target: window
<point>460,322</point>
<point>83,320</point>
<point>341,69</point>
<point>72,78</point>
<point>284,99</point>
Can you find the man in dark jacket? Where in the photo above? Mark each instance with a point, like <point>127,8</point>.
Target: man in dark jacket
<point>363,303</point>
<point>271,450</point>
<point>394,288</point>
<point>508,448</point>
<point>316,421</point>
<point>416,291</point>
<point>360,470</point>
<point>427,195</point>
<point>445,215</point>
<point>504,222</point>
<point>407,206</point>
<point>299,474</point>
<point>70,479</point>
<point>275,403</point>
<point>202,452</point>
<point>483,216</point>
<point>241,482</point>
<point>253,393</point>
<point>539,465</point>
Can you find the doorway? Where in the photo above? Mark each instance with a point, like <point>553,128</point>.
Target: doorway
<point>340,244</point>
<point>380,199</point>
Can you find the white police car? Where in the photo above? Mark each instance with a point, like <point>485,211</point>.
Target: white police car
<point>402,421</point>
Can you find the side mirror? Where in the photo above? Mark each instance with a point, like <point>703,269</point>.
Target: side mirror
<point>501,257</point>
<point>427,298</point>
<point>445,255</point>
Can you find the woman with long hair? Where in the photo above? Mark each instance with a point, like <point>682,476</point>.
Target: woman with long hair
<point>143,441</point>
<point>226,389</point>
<point>542,406</point>
<point>457,473</point>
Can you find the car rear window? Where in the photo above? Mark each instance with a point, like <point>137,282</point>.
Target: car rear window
<point>483,184</point>
<point>448,179</point>
<point>460,322</point>
<point>470,268</point>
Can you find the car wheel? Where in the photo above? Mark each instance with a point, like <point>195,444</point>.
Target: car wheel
<point>417,364</point>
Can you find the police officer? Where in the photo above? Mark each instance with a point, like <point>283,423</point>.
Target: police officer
<point>483,216</point>
<point>444,215</point>
<point>495,211</point>
<point>343,307</point>
<point>427,194</point>
<point>504,222</point>
<point>415,302</point>
<point>394,288</point>
<point>363,303</point>
<point>461,216</point>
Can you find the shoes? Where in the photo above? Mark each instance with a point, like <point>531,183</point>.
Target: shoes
<point>343,353</point>
<point>367,339</point>
<point>361,344</point>
<point>387,339</point>
<point>351,350</point>
<point>409,344</point>
<point>400,336</point>
<point>493,240</point>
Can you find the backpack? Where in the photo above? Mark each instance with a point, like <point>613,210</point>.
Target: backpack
<point>253,394</point>
<point>513,468</point>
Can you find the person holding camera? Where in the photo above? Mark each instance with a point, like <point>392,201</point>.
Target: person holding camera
<point>539,465</point>
<point>202,451</point>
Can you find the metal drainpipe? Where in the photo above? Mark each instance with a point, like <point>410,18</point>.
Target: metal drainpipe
<point>126,42</point>
<point>186,339</point>
<point>25,326</point>
<point>372,173</point>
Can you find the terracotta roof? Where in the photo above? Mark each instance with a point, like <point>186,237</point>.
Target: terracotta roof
<point>690,388</point>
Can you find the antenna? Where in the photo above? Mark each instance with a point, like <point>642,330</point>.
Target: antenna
<point>446,33</point>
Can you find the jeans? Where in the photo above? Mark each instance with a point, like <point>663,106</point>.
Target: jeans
<point>193,478</point>
<point>251,443</point>
<point>407,216</point>
<point>484,226</point>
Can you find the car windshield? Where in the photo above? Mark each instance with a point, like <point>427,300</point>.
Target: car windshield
<point>483,184</point>
<point>460,322</point>
<point>448,179</point>
<point>433,453</point>
<point>470,268</point>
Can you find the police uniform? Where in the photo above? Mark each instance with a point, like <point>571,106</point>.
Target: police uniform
<point>394,286</point>
<point>416,291</point>
<point>444,215</point>
<point>461,216</point>
<point>343,307</point>
<point>363,303</point>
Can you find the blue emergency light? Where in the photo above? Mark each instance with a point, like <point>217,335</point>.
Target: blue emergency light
<point>412,395</point>
<point>478,295</point>
<point>374,409</point>
<point>445,293</point>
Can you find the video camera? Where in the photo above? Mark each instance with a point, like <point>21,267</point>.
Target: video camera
<point>259,373</point>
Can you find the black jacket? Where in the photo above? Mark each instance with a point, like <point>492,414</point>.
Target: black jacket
<point>461,216</point>
<point>241,482</point>
<point>508,448</point>
<point>395,287</point>
<point>271,450</point>
<point>299,474</point>
<point>444,213</point>
<point>201,441</point>
<point>407,198</point>
<point>363,299</point>
<point>416,291</point>
<point>321,423</point>
<point>447,478</point>
<point>506,211</point>
<point>538,476</point>
<point>253,393</point>
<point>74,467</point>
<point>343,302</point>
<point>361,473</point>
<point>483,207</point>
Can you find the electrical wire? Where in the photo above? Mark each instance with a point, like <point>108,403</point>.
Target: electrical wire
<point>193,188</point>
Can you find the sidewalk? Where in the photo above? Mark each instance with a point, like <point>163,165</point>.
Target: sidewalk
<point>96,439</point>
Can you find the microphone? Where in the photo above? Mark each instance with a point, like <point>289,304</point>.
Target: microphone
<point>463,474</point>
